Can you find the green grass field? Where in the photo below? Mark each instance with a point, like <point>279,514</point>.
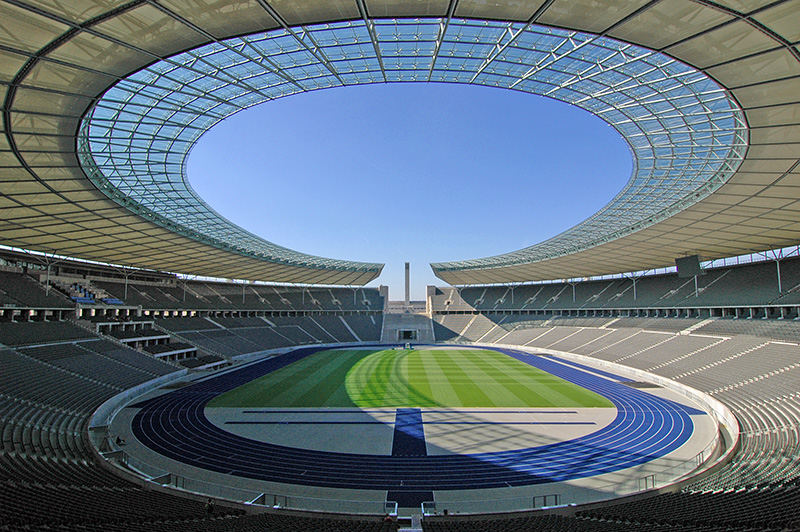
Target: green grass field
<point>419,378</point>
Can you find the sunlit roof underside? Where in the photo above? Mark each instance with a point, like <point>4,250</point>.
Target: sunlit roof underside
<point>57,57</point>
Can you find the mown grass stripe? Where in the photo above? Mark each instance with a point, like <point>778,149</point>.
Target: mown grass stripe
<point>363,389</point>
<point>551,388</point>
<point>418,379</point>
<point>329,386</point>
<point>259,391</point>
<point>395,387</point>
<point>528,383</point>
<point>443,392</point>
<point>504,389</point>
<point>444,378</point>
<point>315,388</point>
<point>469,393</point>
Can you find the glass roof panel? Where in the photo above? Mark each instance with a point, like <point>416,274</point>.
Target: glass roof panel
<point>686,133</point>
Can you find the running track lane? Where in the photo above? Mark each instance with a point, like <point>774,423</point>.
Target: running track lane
<point>646,427</point>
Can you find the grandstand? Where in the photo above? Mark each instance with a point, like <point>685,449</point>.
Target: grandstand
<point>63,358</point>
<point>749,364</point>
<point>97,217</point>
<point>761,289</point>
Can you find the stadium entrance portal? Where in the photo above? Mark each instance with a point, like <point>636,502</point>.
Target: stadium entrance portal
<point>405,335</point>
<point>406,327</point>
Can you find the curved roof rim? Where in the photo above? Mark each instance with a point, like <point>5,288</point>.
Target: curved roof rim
<point>686,133</point>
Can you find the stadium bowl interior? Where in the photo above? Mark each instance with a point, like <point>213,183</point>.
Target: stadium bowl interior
<point>102,101</point>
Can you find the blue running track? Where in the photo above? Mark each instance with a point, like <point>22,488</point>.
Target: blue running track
<point>646,427</point>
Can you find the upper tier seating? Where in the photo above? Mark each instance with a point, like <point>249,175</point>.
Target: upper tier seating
<point>203,295</point>
<point>753,284</point>
<point>17,289</point>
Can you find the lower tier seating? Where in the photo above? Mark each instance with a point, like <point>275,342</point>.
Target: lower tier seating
<point>49,479</point>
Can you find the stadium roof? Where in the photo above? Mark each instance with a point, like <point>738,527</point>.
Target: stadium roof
<point>716,162</point>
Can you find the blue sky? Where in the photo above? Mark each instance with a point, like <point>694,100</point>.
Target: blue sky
<point>409,172</point>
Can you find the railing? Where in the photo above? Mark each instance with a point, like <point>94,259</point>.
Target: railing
<point>544,501</point>
<point>632,482</point>
<point>273,500</point>
<point>620,484</point>
<point>648,482</point>
<point>250,497</point>
<point>537,502</point>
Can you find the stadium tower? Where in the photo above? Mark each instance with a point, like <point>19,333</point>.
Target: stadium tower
<point>145,340</point>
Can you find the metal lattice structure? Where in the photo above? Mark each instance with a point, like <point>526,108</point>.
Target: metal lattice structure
<point>686,134</point>
<point>706,99</point>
